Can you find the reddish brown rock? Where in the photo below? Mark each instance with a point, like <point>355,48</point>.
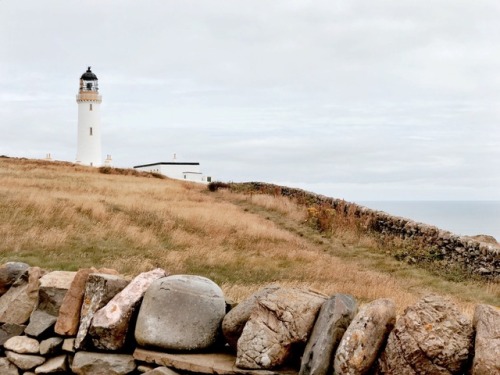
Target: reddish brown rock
<point>69,313</point>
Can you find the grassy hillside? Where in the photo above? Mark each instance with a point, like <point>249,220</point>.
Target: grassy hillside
<point>62,216</point>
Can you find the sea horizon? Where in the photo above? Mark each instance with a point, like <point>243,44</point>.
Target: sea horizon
<point>461,217</point>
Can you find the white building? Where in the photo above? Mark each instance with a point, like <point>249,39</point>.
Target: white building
<point>177,170</point>
<point>89,121</point>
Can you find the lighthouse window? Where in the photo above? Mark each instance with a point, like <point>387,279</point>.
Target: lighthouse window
<point>91,106</point>
<point>90,130</point>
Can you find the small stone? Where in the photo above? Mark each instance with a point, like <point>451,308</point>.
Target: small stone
<point>7,367</point>
<point>110,325</point>
<point>69,345</point>
<point>365,336</point>
<point>25,361</point>
<point>40,323</point>
<point>181,312</point>
<point>86,363</point>
<point>99,290</point>
<point>9,272</point>
<point>51,346</point>
<point>53,365</point>
<point>487,347</point>
<point>22,345</point>
<point>17,304</point>
<point>334,317</point>
<point>9,330</point>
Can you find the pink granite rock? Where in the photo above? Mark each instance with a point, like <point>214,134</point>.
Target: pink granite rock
<point>99,290</point>
<point>110,325</point>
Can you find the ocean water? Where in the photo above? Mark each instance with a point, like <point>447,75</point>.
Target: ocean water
<point>466,218</point>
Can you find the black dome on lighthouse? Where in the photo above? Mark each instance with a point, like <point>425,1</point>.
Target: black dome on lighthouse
<point>89,76</point>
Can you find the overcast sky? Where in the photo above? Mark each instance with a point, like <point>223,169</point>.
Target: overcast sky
<point>361,100</point>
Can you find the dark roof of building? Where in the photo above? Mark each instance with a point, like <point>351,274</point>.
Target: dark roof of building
<point>89,76</point>
<point>164,163</point>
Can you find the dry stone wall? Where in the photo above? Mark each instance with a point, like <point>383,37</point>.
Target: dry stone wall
<point>417,241</point>
<point>160,324</point>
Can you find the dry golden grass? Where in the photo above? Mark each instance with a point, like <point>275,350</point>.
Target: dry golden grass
<point>62,216</point>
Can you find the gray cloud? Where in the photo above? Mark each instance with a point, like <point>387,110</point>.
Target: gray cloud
<point>358,99</point>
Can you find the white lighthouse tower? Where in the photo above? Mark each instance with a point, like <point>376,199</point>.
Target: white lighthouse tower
<point>89,121</point>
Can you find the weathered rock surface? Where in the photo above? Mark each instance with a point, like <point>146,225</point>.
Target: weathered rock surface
<point>69,345</point>
<point>281,320</point>
<point>201,363</point>
<point>161,371</point>
<point>51,345</point>
<point>40,322</point>
<point>53,365</point>
<point>69,312</point>
<point>365,336</point>
<point>7,367</point>
<point>22,345</point>
<point>235,320</point>
<point>9,272</point>
<point>110,325</point>
<point>431,337</point>
<point>334,317</point>
<point>487,346</point>
<point>17,304</point>
<point>88,363</point>
<point>181,312</point>
<point>25,361</point>
<point>9,330</point>
<point>99,290</point>
<point>53,287</point>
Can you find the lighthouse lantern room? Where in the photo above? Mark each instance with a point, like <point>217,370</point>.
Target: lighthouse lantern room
<point>89,121</point>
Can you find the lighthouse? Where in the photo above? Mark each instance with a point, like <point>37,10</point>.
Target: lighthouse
<point>89,121</point>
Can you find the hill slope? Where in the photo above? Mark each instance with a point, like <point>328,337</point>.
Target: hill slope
<point>63,216</point>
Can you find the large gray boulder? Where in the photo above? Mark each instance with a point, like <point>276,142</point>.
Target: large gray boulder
<point>364,338</point>
<point>110,325</point>
<point>9,272</point>
<point>235,320</point>
<point>334,317</point>
<point>431,337</point>
<point>181,312</point>
<point>99,290</point>
<point>17,304</point>
<point>87,363</point>
<point>487,347</point>
<point>282,320</point>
